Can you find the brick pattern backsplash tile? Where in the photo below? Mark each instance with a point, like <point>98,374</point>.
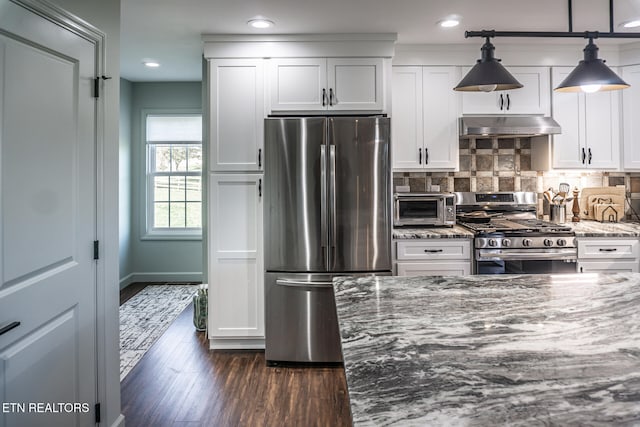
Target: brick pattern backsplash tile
<point>504,164</point>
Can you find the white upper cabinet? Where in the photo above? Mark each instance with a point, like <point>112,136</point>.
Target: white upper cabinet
<point>631,112</point>
<point>424,131</point>
<point>590,123</point>
<point>236,114</point>
<point>532,98</point>
<point>319,84</point>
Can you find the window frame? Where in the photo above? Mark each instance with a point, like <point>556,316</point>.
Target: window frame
<point>165,233</point>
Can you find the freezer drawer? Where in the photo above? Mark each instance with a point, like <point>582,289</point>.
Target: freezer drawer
<point>301,321</point>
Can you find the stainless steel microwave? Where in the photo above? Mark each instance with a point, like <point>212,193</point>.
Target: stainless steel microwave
<point>435,209</point>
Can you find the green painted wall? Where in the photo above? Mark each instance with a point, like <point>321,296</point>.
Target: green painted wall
<point>159,260</point>
<point>125,181</point>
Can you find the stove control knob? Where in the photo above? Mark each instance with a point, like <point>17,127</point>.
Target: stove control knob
<point>506,242</point>
<point>561,242</point>
<point>493,242</point>
<point>527,242</point>
<point>548,242</point>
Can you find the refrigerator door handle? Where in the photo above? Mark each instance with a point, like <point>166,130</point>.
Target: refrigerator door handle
<point>323,202</point>
<point>332,195</point>
<point>300,284</point>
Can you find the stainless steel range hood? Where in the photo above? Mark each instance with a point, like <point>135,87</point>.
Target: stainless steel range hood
<point>508,126</point>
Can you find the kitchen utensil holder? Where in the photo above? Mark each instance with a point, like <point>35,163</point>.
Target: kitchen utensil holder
<point>557,214</point>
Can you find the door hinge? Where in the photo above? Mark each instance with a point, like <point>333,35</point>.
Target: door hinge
<point>97,412</point>
<point>96,85</point>
<point>96,249</point>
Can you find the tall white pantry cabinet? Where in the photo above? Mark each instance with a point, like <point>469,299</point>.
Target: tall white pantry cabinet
<point>246,78</point>
<point>235,203</point>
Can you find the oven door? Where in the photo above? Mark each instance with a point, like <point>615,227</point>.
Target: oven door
<point>419,211</point>
<point>524,261</point>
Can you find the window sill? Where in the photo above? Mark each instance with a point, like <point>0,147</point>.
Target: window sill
<point>171,236</point>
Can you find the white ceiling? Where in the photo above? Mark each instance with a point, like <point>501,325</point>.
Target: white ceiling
<point>169,31</point>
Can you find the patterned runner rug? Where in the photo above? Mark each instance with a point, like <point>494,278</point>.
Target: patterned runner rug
<point>145,317</point>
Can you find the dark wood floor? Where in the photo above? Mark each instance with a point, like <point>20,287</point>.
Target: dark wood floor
<point>127,293</point>
<point>179,382</point>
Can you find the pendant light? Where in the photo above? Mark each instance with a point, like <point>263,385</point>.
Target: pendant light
<point>591,74</point>
<point>488,74</point>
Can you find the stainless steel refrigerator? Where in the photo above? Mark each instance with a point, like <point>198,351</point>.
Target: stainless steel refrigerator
<point>327,213</point>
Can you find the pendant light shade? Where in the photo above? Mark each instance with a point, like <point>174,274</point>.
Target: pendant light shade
<point>591,75</point>
<point>488,74</point>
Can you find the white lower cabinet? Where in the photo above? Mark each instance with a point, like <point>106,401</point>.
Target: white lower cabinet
<point>236,260</point>
<point>606,255</point>
<point>433,257</point>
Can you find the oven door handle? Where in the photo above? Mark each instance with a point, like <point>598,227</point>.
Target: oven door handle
<point>514,254</point>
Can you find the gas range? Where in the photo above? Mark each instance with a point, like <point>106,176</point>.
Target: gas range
<point>521,233</point>
<point>513,240</point>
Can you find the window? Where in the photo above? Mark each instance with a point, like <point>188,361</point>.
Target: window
<point>174,175</point>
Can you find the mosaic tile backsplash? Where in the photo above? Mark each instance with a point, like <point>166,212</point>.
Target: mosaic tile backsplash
<point>504,164</point>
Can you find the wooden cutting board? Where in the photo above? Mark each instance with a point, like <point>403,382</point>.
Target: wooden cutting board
<point>591,195</point>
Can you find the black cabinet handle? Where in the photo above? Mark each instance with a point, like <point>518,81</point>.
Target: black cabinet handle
<point>584,156</point>
<point>419,156</point>
<point>324,97</point>
<point>331,97</point>
<point>433,251</point>
<point>260,187</point>
<point>426,156</point>
<point>501,102</point>
<point>590,156</point>
<point>608,249</point>
<point>581,270</point>
<point>259,157</point>
<point>9,327</point>
<point>508,102</point>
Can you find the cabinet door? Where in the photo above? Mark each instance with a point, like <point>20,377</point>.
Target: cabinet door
<point>236,273</point>
<point>237,114</point>
<point>299,84</point>
<point>609,266</point>
<point>440,117</point>
<point>532,98</point>
<point>602,129</point>
<point>443,268</point>
<point>631,112</point>
<point>568,110</point>
<point>406,121</point>
<point>355,84</point>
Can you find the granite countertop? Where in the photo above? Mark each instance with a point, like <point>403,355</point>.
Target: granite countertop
<point>492,350</point>
<point>605,229</point>
<point>455,232</point>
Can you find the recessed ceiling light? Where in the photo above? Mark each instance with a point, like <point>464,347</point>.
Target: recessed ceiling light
<point>631,24</point>
<point>449,21</point>
<point>260,22</point>
<point>151,64</point>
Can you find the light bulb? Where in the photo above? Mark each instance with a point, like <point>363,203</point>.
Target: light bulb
<point>487,88</point>
<point>590,88</point>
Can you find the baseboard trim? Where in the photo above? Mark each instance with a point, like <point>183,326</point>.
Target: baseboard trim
<point>126,281</point>
<point>160,277</point>
<point>119,422</point>
<point>236,344</point>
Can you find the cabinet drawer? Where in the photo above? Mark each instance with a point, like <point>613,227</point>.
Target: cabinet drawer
<point>434,250</point>
<point>608,248</point>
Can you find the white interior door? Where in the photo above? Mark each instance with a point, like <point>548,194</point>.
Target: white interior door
<point>47,221</point>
